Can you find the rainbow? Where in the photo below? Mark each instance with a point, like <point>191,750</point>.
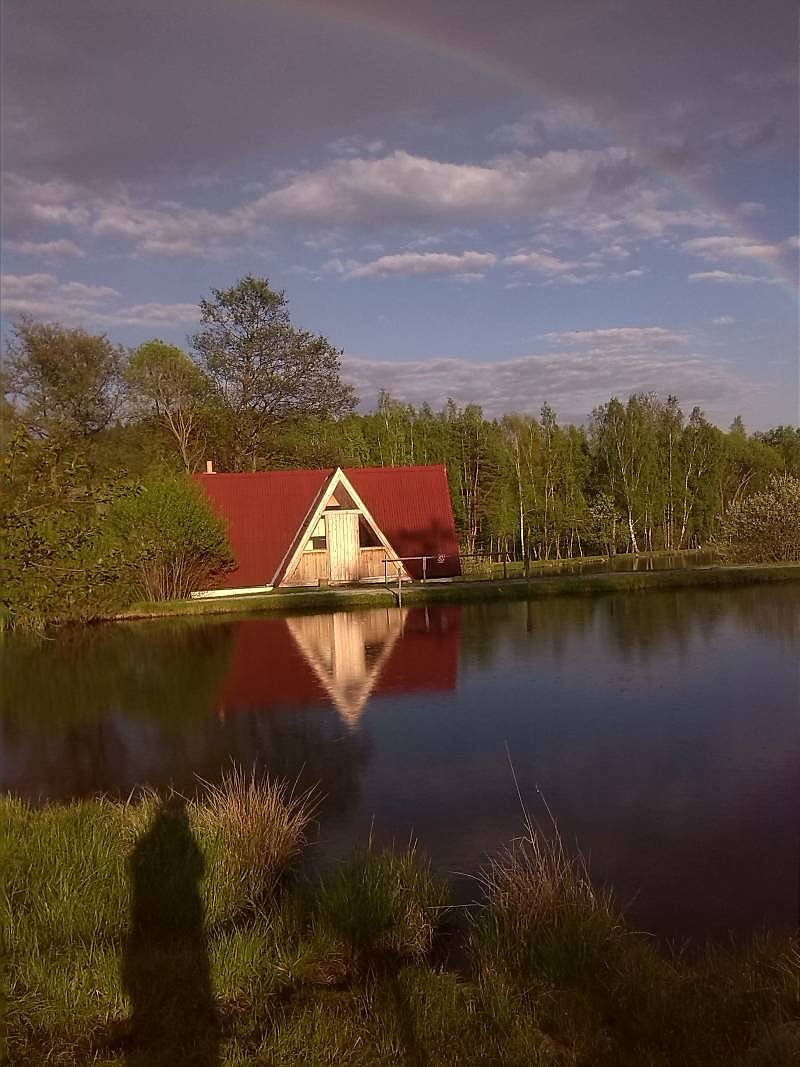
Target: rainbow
<point>781,266</point>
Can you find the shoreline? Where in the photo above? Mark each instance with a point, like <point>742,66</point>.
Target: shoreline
<point>465,591</point>
<point>367,962</point>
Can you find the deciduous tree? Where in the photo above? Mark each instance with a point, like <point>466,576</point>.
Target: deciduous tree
<point>64,382</point>
<point>263,368</point>
<point>164,383</point>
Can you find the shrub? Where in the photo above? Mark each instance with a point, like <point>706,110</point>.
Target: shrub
<point>173,541</point>
<point>765,527</point>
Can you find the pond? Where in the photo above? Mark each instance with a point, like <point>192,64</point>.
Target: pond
<point>661,728</point>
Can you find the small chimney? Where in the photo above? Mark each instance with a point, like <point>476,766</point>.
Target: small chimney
<point>209,466</point>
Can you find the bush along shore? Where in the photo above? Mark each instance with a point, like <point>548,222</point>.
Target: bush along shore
<point>171,931</point>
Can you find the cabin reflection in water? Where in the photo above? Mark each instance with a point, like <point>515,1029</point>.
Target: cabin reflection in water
<point>342,659</point>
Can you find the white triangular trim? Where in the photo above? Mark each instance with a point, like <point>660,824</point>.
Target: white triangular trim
<point>362,507</point>
<point>337,478</point>
<point>291,552</point>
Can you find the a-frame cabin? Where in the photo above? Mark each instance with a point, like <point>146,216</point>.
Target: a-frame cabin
<point>319,527</point>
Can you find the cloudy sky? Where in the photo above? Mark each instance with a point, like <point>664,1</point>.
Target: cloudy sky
<point>503,202</point>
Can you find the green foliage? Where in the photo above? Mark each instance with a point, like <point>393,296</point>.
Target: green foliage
<point>165,384</point>
<point>786,441</point>
<point>56,563</point>
<point>259,393</point>
<point>74,549</point>
<point>381,904</point>
<point>172,541</point>
<point>66,382</point>
<point>765,527</point>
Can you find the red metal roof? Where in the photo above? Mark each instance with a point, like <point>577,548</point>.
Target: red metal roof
<point>412,507</point>
<point>268,670</point>
<point>426,656</point>
<point>265,511</point>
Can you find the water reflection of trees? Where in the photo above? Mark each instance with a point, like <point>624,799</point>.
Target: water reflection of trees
<point>108,709</point>
<point>169,672</point>
<point>643,625</point>
<point>773,612</point>
<point>637,625</point>
<point>547,625</point>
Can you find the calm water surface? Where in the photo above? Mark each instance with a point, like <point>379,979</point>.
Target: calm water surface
<point>662,728</point>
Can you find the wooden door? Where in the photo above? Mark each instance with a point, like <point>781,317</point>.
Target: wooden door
<point>341,529</point>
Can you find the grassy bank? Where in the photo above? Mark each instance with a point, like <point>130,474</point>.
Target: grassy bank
<point>346,598</point>
<point>160,931</point>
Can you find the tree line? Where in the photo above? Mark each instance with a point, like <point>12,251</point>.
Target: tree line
<point>85,420</point>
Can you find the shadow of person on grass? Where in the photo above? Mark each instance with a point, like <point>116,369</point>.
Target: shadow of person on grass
<point>165,969</point>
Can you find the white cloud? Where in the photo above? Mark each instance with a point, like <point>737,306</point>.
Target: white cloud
<point>723,320</point>
<point>553,121</point>
<point>164,229</point>
<point>44,297</point>
<point>541,262</point>
<point>155,315</point>
<point>469,264</point>
<point>590,194</point>
<point>168,230</point>
<point>724,277</point>
<point>651,212</point>
<point>751,209</point>
<point>730,248</point>
<point>356,145</point>
<point>618,337</point>
<point>636,272</point>
<point>27,202</point>
<point>404,187</point>
<point>47,250</point>
<point>573,381</point>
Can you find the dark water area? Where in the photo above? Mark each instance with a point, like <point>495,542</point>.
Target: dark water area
<point>661,727</point>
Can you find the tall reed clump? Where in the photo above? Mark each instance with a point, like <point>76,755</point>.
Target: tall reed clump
<point>250,830</point>
<point>544,918</point>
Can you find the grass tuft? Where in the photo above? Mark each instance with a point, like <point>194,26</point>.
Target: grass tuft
<point>251,828</point>
<point>381,905</point>
<point>544,916</point>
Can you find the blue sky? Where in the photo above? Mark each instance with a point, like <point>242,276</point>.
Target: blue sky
<point>503,203</point>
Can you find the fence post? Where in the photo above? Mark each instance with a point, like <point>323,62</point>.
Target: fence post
<point>424,568</point>
<point>505,565</point>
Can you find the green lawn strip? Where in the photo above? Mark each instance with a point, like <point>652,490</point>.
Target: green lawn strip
<point>347,598</point>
